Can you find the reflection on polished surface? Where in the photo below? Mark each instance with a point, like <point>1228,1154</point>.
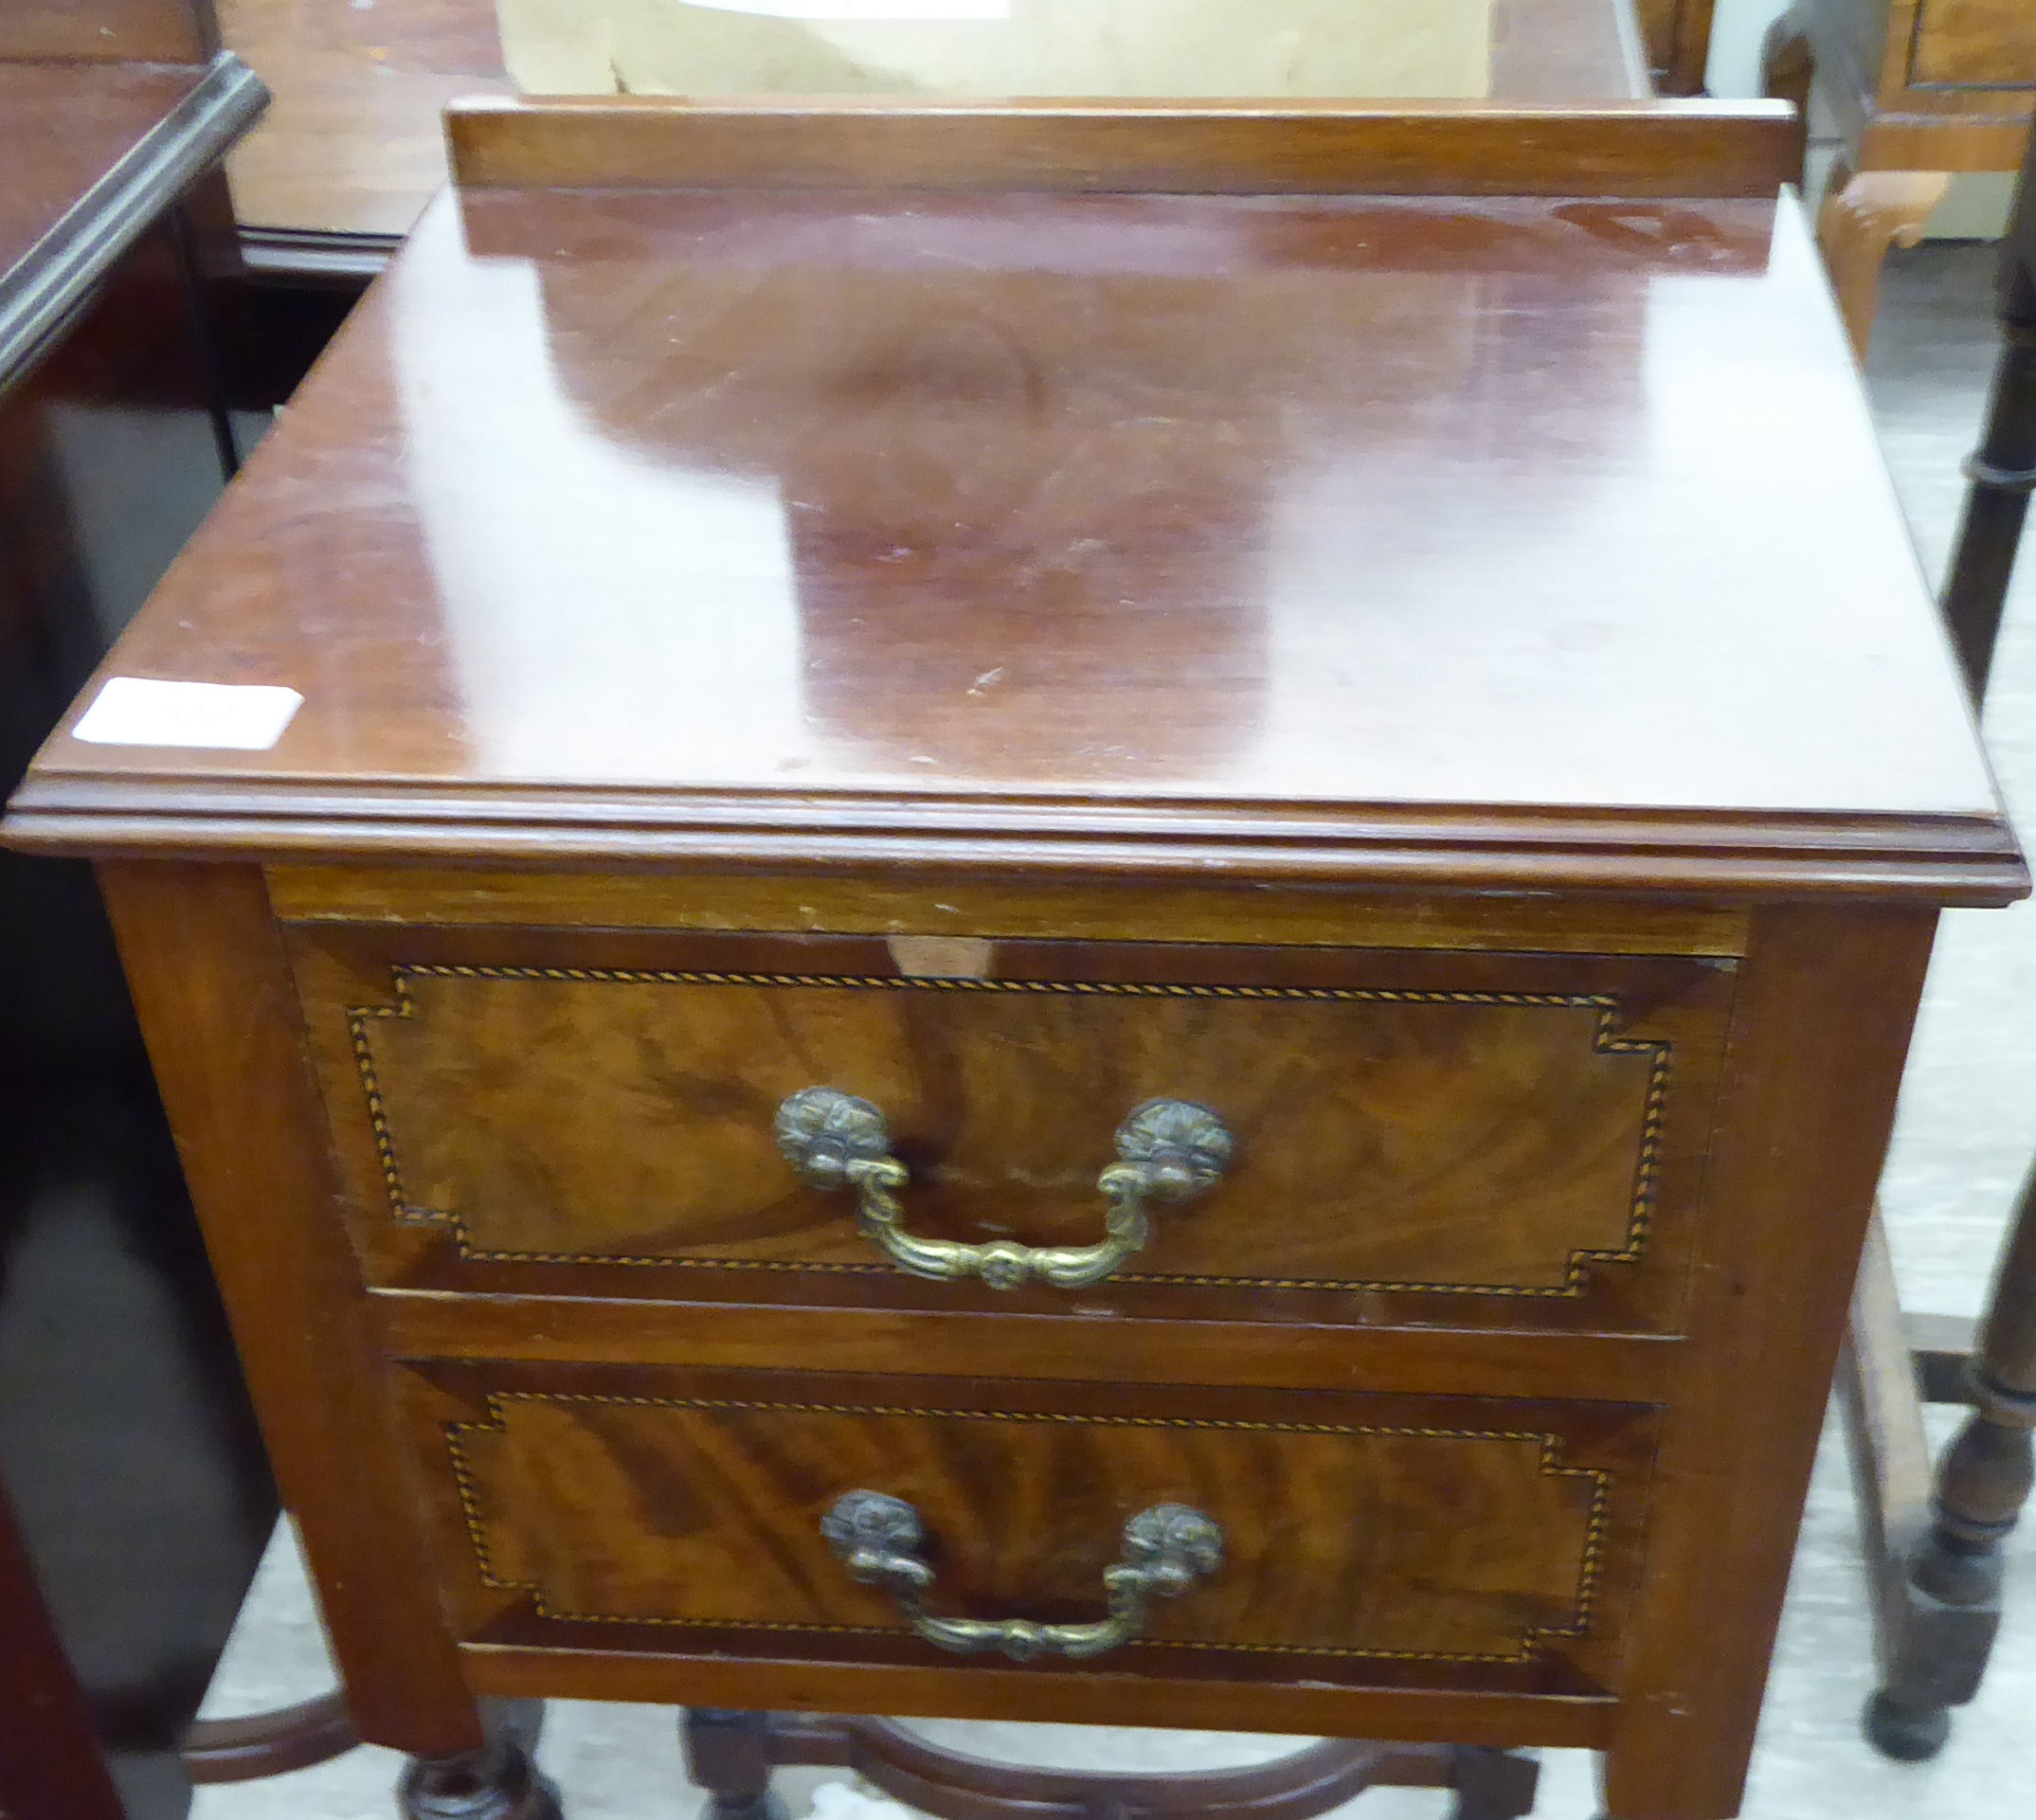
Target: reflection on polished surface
<point>1402,48</point>
<point>1286,501</point>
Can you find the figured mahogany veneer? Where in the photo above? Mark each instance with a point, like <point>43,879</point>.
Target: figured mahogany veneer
<point>1515,1129</point>
<point>1365,1539</point>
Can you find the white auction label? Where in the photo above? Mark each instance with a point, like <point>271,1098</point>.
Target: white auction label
<point>228,716</point>
<point>830,10</point>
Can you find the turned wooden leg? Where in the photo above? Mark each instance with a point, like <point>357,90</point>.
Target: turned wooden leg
<point>1954,1611</point>
<point>1494,1785</point>
<point>1865,213</point>
<point>496,1782</point>
<point>2003,476</point>
<point>729,1755</point>
<point>2003,469</point>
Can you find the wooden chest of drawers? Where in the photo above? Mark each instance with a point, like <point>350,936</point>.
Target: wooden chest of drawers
<point>1129,957</point>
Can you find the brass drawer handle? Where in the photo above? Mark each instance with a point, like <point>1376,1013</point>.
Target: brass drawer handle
<point>1166,1550</point>
<point>1168,1150</point>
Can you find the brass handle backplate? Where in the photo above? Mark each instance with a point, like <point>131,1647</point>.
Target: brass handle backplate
<point>1166,1550</point>
<point>1167,1150</point>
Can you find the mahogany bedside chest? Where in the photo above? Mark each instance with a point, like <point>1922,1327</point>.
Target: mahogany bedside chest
<point>1051,913</point>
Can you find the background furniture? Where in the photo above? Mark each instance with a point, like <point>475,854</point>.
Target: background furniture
<point>1936,1552</point>
<point>577,1320</point>
<point>1920,89</point>
<point>353,149</point>
<point>140,1496</point>
<point>1678,37</point>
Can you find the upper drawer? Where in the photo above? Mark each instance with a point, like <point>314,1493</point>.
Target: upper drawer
<point>1455,1138</point>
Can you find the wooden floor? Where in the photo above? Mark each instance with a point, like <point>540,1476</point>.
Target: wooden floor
<point>351,145</point>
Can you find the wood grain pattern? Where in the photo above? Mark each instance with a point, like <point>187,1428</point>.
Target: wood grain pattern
<point>1639,149</point>
<point>1974,43</point>
<point>489,1089</point>
<point>1505,1127</point>
<point>592,1503</point>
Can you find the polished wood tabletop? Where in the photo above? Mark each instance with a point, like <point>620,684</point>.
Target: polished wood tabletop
<point>1347,531</point>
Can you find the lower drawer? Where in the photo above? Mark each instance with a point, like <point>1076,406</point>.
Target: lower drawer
<point>1361,1540</point>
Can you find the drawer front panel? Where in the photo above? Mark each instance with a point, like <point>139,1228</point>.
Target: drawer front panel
<point>1404,1126</point>
<point>605,1508</point>
<point>1974,43</point>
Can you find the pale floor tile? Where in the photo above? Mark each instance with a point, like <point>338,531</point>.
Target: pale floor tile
<point>1968,1128</point>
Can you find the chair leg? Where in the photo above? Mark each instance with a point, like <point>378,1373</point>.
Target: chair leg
<point>729,1755</point>
<point>1939,1657</point>
<point>2004,474</point>
<point>1494,1785</point>
<point>496,1782</point>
